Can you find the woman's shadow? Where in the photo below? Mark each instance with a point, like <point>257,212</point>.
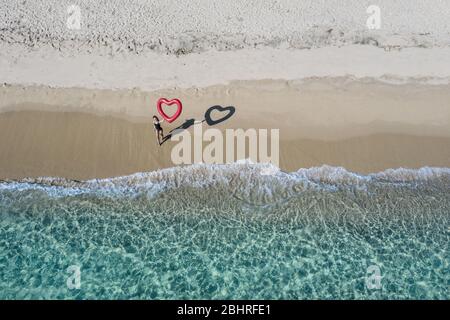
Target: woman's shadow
<point>209,120</point>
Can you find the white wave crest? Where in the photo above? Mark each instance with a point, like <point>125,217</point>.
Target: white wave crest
<point>243,174</point>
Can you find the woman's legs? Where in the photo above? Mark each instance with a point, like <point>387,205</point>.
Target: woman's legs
<point>159,136</point>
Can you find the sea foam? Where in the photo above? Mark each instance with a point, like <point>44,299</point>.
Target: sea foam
<point>243,175</point>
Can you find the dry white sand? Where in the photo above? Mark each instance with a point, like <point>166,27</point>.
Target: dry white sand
<point>152,71</point>
<point>184,26</point>
<point>170,43</point>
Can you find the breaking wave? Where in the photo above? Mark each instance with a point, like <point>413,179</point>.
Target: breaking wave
<point>240,176</point>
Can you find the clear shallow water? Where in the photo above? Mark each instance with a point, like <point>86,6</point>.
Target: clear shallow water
<point>237,231</point>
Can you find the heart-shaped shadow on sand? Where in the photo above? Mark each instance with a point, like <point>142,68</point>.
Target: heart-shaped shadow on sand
<point>230,110</point>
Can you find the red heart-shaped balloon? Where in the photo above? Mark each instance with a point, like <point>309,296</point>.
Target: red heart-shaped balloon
<point>162,101</point>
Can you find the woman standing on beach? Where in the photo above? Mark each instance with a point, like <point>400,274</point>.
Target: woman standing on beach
<point>158,128</point>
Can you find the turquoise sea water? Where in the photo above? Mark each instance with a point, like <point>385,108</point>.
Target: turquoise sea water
<point>236,231</point>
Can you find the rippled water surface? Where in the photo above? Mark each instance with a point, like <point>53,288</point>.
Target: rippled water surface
<point>237,231</point>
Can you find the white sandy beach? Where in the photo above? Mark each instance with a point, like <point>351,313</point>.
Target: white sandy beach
<point>341,94</point>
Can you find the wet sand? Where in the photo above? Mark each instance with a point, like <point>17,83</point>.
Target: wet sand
<point>83,146</point>
<point>362,126</point>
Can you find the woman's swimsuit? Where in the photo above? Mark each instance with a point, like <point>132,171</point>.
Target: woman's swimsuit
<point>157,126</point>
